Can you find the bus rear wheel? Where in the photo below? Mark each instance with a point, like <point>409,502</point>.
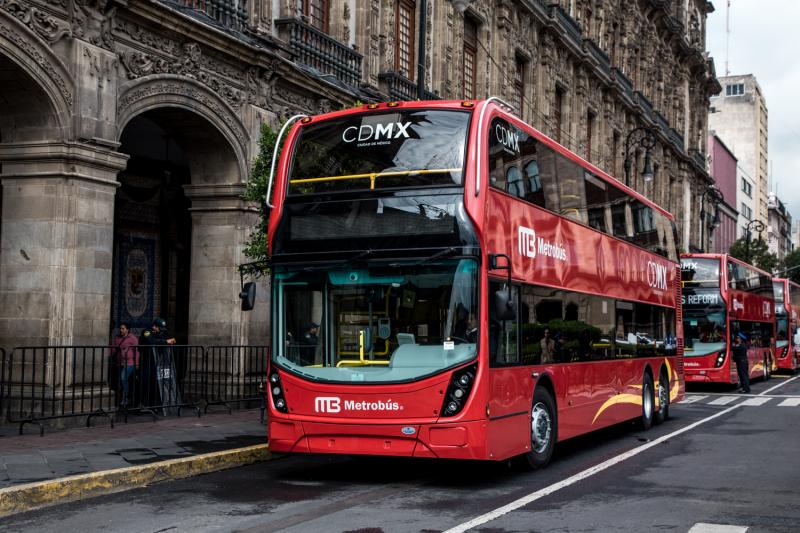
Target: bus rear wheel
<point>648,402</point>
<point>544,430</point>
<point>767,368</point>
<point>663,399</point>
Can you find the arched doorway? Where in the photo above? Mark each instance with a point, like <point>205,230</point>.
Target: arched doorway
<point>166,260</point>
<point>152,229</point>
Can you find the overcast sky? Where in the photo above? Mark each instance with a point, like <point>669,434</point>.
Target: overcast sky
<point>764,42</point>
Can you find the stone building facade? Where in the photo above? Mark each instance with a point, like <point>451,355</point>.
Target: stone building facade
<point>779,229</point>
<point>128,129</point>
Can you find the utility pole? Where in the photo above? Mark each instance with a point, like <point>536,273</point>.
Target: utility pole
<point>727,36</point>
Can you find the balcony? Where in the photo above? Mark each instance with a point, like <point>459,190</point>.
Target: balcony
<point>228,14</point>
<point>401,88</point>
<point>318,50</point>
<point>598,56</point>
<point>624,84</point>
<point>571,27</point>
<point>647,107</point>
<point>676,138</point>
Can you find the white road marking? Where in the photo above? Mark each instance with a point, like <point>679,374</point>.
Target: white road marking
<point>693,399</point>
<point>723,400</point>
<point>701,527</point>
<point>790,402</point>
<point>755,401</point>
<point>589,472</point>
<point>779,385</point>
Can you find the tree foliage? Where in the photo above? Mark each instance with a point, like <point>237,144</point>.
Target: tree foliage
<point>756,253</point>
<point>792,261</point>
<point>256,248</point>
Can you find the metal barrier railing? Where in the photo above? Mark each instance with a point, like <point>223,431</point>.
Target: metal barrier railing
<point>234,374</point>
<point>38,384</point>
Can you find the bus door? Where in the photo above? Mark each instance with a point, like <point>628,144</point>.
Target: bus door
<point>511,383</point>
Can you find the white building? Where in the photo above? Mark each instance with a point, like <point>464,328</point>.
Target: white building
<point>739,117</point>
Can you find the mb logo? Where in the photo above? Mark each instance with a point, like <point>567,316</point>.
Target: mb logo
<point>527,242</point>
<point>325,404</point>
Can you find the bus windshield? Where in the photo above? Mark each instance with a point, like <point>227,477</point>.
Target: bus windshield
<point>704,322</point>
<point>699,272</point>
<point>376,322</point>
<point>399,149</point>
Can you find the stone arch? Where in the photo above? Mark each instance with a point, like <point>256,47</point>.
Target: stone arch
<point>176,92</point>
<point>48,85</point>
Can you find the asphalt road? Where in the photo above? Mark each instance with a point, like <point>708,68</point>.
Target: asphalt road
<point>724,463</point>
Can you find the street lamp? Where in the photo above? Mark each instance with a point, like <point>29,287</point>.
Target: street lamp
<point>461,6</point>
<point>715,196</point>
<point>646,138</point>
<point>752,225</point>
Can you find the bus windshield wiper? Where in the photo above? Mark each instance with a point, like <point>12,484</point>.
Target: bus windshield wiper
<point>341,262</point>
<point>442,253</point>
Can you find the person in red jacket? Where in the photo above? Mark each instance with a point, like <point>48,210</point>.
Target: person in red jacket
<point>126,349</point>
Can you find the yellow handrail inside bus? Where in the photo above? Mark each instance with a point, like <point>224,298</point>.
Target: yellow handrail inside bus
<point>371,176</point>
<point>360,361</point>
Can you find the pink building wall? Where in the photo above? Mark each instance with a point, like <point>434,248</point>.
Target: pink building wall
<point>723,170</point>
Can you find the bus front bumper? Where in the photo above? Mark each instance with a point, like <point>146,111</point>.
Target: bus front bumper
<point>464,440</point>
<point>725,374</point>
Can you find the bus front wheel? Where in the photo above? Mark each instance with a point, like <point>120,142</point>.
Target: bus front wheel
<point>648,402</point>
<point>544,429</point>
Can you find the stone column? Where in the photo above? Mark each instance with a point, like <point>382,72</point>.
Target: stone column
<point>221,224</point>
<point>57,239</point>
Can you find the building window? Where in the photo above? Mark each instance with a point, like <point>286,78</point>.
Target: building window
<point>519,85</point>
<point>404,43</point>
<point>747,188</point>
<point>589,128</point>
<point>316,11</point>
<point>734,89</point>
<point>470,56</point>
<point>557,109</point>
<point>746,211</point>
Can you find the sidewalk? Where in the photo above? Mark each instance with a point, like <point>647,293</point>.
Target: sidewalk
<point>75,464</point>
<point>31,458</point>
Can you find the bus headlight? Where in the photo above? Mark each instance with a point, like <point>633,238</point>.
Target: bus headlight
<point>459,389</point>
<point>277,393</point>
<point>720,360</point>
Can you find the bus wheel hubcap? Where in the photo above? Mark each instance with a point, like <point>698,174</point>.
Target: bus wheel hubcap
<point>541,428</point>
<point>663,396</point>
<point>647,401</point>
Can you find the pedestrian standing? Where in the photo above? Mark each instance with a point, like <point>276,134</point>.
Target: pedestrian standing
<point>739,351</point>
<point>126,347</point>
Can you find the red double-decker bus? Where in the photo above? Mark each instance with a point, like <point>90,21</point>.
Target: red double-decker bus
<point>722,297</point>
<point>447,282</point>
<point>787,344</point>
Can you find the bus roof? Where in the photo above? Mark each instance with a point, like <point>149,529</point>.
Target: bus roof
<point>472,105</point>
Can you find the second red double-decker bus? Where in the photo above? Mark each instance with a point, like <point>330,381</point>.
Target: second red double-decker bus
<point>723,297</point>
<point>447,282</point>
<point>787,305</point>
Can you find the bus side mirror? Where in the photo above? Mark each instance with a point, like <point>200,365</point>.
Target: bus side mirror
<point>504,307</point>
<point>248,296</point>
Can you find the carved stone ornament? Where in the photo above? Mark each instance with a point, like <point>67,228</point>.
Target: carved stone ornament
<point>189,62</point>
<point>49,28</point>
<point>92,20</point>
<point>184,91</point>
<point>33,52</point>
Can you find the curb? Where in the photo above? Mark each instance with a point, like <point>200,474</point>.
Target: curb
<point>31,496</point>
